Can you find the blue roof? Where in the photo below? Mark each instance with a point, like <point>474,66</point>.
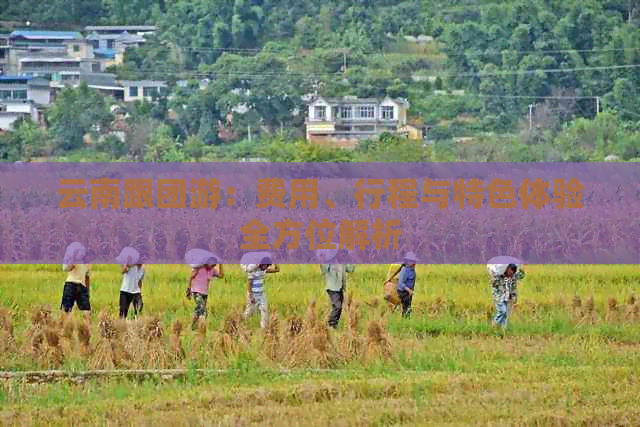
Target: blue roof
<point>5,77</point>
<point>46,34</point>
<point>109,53</point>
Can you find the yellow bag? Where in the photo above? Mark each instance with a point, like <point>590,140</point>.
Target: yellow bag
<point>391,285</point>
<point>391,293</point>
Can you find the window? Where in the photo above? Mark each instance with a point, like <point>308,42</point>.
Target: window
<point>76,48</point>
<point>321,112</point>
<point>95,68</point>
<point>110,44</point>
<point>20,94</point>
<point>387,113</point>
<point>346,112</point>
<point>95,44</point>
<point>150,91</point>
<point>365,112</point>
<point>133,91</point>
<point>5,94</point>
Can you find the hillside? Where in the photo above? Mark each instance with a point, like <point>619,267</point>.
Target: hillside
<point>523,70</point>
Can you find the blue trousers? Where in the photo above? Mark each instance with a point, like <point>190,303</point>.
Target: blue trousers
<point>502,313</point>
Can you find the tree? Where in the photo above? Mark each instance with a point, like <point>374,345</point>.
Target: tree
<point>131,12</point>
<point>624,99</point>
<point>194,148</point>
<point>30,137</point>
<point>162,147</point>
<point>76,112</point>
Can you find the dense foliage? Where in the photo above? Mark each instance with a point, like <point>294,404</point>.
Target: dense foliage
<point>526,80</point>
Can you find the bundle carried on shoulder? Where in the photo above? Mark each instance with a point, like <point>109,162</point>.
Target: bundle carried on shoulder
<point>75,253</point>
<point>254,258</point>
<point>498,265</point>
<point>128,256</point>
<point>198,257</point>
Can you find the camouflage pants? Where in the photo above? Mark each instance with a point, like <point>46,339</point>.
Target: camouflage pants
<point>201,305</point>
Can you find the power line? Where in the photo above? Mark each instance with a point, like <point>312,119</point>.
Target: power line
<point>479,74</point>
<point>383,53</point>
<point>559,97</point>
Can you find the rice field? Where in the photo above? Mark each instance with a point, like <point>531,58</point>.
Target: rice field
<point>569,357</point>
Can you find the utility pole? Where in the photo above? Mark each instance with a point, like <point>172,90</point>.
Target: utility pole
<point>344,62</point>
<point>249,130</point>
<point>597,105</point>
<point>530,116</point>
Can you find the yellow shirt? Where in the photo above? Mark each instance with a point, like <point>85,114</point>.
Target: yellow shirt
<point>78,274</point>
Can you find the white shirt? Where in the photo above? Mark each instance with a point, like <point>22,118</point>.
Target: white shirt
<point>131,280</point>
<point>256,276</point>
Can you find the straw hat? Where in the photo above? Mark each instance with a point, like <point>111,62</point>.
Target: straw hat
<point>410,257</point>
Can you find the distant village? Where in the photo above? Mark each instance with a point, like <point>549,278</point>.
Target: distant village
<point>35,65</point>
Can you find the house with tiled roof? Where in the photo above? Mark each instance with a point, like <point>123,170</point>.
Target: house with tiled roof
<point>43,53</point>
<point>42,39</point>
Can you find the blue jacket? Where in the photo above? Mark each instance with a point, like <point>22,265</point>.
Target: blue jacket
<point>406,278</point>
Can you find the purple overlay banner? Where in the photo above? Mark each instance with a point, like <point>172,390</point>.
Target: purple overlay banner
<point>445,213</point>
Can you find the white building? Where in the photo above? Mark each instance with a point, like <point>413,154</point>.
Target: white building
<point>24,88</point>
<point>127,91</point>
<point>10,111</point>
<point>143,90</point>
<point>350,119</point>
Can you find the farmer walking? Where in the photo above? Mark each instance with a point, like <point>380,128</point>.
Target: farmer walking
<point>205,267</point>
<point>76,286</point>
<point>335,276</point>
<point>132,276</point>
<point>504,285</point>
<point>406,281</point>
<point>257,265</point>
